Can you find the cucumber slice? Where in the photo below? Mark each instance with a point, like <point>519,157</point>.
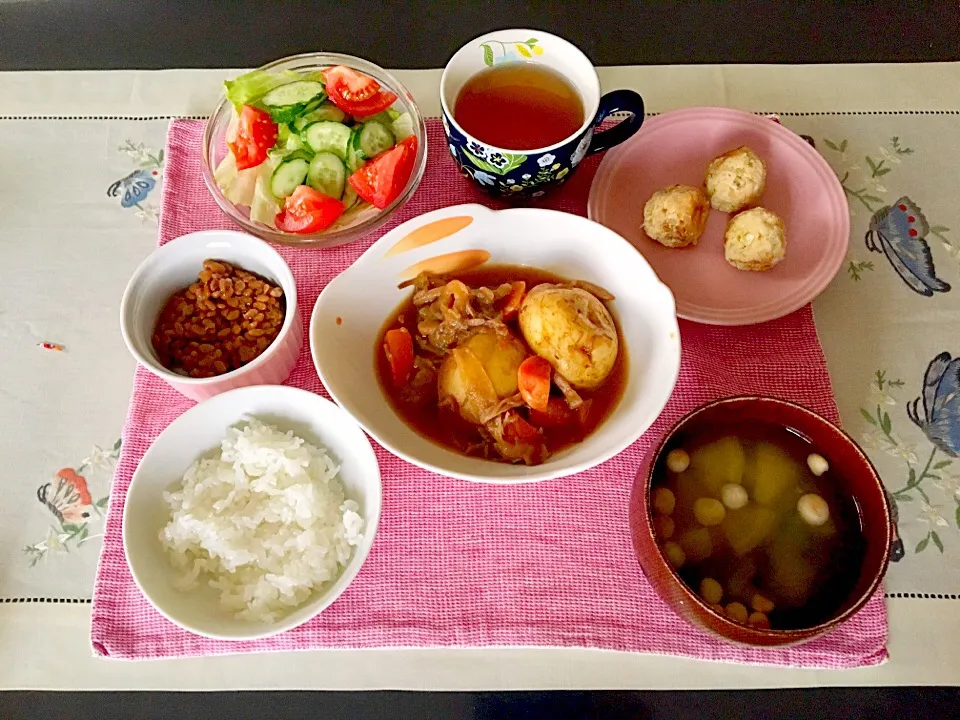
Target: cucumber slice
<point>328,136</point>
<point>381,117</point>
<point>284,114</point>
<point>315,104</point>
<point>326,111</point>
<point>385,116</point>
<point>302,92</point>
<point>350,197</point>
<point>288,175</point>
<point>294,143</point>
<point>374,137</point>
<point>354,157</point>
<point>289,101</point>
<point>327,174</point>
<point>402,127</point>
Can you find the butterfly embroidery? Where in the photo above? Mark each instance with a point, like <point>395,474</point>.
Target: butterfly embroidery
<point>135,186</point>
<point>940,421</point>
<point>67,497</point>
<point>899,232</point>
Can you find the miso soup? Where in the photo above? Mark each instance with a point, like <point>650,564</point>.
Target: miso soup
<point>752,518</point>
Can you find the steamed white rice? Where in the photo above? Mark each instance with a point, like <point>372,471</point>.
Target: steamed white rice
<point>265,521</point>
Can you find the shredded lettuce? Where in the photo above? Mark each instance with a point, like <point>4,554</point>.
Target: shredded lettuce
<point>226,172</point>
<point>402,126</point>
<point>250,87</point>
<point>263,205</point>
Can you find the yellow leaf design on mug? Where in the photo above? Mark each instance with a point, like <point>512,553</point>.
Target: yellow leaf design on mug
<point>537,50</point>
<point>524,50</point>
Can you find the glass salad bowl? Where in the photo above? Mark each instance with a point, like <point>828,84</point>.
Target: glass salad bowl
<point>234,191</point>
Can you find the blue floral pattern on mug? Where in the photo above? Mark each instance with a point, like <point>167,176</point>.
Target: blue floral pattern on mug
<point>515,174</point>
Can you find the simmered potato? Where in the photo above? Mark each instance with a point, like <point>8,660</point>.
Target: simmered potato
<point>480,373</point>
<point>573,331</point>
<point>500,356</point>
<point>463,379</point>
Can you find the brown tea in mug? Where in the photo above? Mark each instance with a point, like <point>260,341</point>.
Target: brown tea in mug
<point>519,106</point>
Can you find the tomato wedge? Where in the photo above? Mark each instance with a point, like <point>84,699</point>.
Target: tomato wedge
<point>355,93</point>
<point>381,180</point>
<point>308,211</point>
<point>349,85</point>
<point>378,103</point>
<point>256,134</point>
<point>533,381</point>
<point>398,347</point>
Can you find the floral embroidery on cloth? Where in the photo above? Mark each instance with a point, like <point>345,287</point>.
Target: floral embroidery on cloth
<point>67,498</point>
<point>932,482</point>
<point>133,189</point>
<point>898,230</point>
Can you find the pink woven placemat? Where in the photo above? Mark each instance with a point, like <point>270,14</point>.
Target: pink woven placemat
<point>457,564</point>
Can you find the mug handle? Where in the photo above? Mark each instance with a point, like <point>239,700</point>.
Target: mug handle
<point>617,101</point>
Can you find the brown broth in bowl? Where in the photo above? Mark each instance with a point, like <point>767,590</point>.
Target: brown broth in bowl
<point>751,528</point>
<point>417,402</point>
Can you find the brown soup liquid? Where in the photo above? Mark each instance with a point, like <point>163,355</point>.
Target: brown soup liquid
<point>519,106</point>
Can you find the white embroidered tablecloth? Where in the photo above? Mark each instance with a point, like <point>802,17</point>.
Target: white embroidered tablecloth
<point>79,196</point>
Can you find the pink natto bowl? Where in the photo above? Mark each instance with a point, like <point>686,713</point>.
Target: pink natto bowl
<point>175,266</point>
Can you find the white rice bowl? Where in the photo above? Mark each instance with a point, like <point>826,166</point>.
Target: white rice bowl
<point>265,521</point>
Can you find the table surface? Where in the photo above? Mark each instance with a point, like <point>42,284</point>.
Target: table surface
<point>122,35</point>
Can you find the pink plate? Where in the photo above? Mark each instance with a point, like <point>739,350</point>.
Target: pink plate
<point>675,148</point>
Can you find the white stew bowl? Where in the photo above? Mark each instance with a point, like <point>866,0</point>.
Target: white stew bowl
<point>353,308</point>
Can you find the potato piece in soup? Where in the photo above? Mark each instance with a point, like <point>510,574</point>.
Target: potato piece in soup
<point>464,380</point>
<point>718,463</point>
<point>769,473</point>
<point>500,356</point>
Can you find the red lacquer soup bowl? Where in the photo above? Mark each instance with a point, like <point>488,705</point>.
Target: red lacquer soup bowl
<point>849,465</point>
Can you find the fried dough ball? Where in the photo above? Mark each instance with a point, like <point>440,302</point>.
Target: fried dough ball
<point>676,216</point>
<point>736,180</point>
<point>755,240</point>
<point>572,330</point>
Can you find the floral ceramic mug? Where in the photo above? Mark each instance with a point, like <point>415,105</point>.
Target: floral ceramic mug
<point>528,173</point>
